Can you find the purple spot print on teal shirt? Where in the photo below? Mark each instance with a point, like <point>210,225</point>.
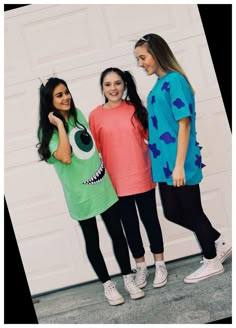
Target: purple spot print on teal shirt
<point>153,100</point>
<point>197,144</point>
<point>154,122</point>
<point>198,161</point>
<point>167,170</point>
<point>155,152</point>
<point>178,103</point>
<point>166,86</point>
<point>167,138</point>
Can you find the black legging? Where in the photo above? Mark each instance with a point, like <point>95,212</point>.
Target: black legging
<point>111,218</point>
<point>182,205</point>
<point>146,203</point>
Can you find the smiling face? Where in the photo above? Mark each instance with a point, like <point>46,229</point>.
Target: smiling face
<point>146,60</point>
<point>61,98</point>
<point>113,87</point>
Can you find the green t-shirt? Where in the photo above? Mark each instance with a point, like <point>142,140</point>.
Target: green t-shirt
<point>87,187</point>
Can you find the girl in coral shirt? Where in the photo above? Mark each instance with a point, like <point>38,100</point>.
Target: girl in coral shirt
<point>119,127</point>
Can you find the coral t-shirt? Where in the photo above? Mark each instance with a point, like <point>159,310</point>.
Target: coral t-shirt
<point>121,141</point>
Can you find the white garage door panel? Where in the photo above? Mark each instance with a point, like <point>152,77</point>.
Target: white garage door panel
<point>56,258</point>
<point>42,226</point>
<point>214,130</point>
<point>68,33</point>
<point>78,42</point>
<point>218,205</point>
<point>57,28</point>
<point>21,119</point>
<point>54,262</point>
<point>37,193</point>
<point>170,21</point>
<point>14,54</point>
<point>19,157</point>
<point>92,33</point>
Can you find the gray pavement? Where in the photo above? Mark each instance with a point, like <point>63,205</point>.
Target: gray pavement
<point>175,303</point>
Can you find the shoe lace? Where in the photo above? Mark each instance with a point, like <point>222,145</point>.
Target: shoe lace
<point>160,270</point>
<point>130,285</point>
<point>202,267</point>
<point>141,273</point>
<point>111,289</point>
<point>133,271</point>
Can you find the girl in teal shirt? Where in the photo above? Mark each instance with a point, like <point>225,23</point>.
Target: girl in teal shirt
<point>175,153</point>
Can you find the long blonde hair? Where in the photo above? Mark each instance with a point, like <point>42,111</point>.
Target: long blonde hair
<point>162,54</point>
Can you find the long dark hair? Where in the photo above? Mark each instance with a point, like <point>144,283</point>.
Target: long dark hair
<point>162,54</point>
<point>132,96</point>
<point>45,129</point>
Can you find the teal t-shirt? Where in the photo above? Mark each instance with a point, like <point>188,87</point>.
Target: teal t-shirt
<point>87,187</point>
<point>170,100</point>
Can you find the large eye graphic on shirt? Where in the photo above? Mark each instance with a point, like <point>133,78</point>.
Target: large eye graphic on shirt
<point>82,143</point>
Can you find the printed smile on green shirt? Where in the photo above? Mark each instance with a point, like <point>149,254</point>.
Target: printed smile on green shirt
<point>98,176</point>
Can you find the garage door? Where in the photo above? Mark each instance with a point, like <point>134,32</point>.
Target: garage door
<point>77,42</point>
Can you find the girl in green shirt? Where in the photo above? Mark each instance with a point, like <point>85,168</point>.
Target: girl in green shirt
<point>66,142</point>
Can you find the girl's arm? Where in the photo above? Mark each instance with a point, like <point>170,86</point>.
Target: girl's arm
<point>178,174</point>
<point>63,152</point>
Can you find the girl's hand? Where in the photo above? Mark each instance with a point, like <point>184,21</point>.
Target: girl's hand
<point>178,176</point>
<point>54,119</point>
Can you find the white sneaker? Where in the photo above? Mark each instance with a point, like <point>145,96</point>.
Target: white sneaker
<point>223,249</point>
<point>130,286</point>
<point>160,276</point>
<point>112,294</point>
<point>141,277</point>
<point>208,269</point>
